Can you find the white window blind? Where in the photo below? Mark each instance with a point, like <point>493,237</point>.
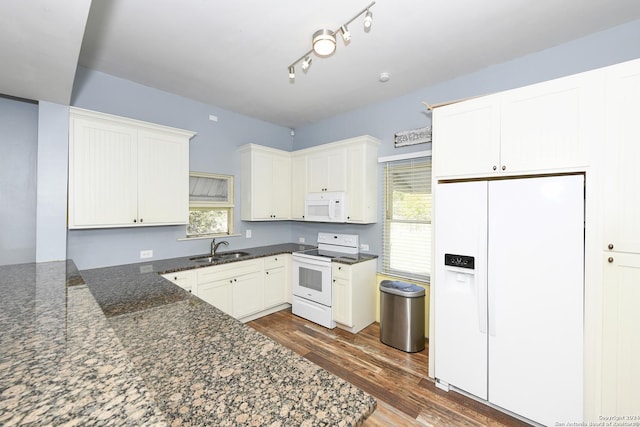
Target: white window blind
<point>210,205</point>
<point>407,218</point>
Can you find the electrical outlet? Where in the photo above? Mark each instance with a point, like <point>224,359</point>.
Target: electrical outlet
<point>301,240</point>
<point>146,254</point>
<point>247,234</point>
<point>364,247</point>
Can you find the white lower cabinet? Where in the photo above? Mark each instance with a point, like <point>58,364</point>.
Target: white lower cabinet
<point>245,290</point>
<point>185,279</point>
<point>218,294</point>
<point>353,295</point>
<point>276,280</point>
<point>235,288</point>
<point>247,294</point>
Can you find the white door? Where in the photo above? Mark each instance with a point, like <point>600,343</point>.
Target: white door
<point>103,165</point>
<point>466,137</point>
<point>550,125</point>
<point>535,278</point>
<point>163,178</point>
<point>621,154</point>
<point>621,334</point>
<point>460,293</point>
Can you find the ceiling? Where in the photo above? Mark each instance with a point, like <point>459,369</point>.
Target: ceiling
<point>235,54</point>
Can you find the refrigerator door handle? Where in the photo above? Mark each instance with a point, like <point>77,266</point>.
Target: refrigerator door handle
<point>492,317</point>
<point>481,298</point>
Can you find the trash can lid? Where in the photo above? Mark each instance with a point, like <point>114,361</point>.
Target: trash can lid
<point>401,288</point>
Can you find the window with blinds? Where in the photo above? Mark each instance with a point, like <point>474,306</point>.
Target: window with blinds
<point>210,205</point>
<point>407,218</point>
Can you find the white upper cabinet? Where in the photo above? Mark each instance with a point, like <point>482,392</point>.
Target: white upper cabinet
<point>125,173</point>
<point>275,182</point>
<point>362,181</point>
<point>544,127</point>
<point>621,152</point>
<point>298,185</point>
<point>551,125</point>
<point>326,170</point>
<point>466,137</point>
<point>266,184</point>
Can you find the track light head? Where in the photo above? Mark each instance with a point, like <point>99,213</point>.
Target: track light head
<point>306,63</point>
<point>346,34</point>
<point>292,72</point>
<point>368,18</point>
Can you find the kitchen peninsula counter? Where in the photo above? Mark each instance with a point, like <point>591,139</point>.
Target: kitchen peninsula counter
<point>123,346</point>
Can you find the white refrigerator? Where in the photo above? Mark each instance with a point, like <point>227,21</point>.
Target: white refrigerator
<point>508,287</point>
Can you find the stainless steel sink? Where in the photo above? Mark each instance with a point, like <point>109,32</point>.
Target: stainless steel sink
<point>222,256</point>
<point>231,255</point>
<point>204,259</point>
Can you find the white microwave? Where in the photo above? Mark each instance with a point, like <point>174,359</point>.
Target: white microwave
<point>325,207</point>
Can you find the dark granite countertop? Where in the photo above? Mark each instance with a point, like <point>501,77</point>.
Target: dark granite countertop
<point>123,346</point>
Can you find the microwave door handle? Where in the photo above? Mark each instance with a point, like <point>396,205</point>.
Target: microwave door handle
<point>332,210</point>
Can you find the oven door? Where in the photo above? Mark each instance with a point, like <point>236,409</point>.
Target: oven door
<point>311,279</point>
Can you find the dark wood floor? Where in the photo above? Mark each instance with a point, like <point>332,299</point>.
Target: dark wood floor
<point>398,380</point>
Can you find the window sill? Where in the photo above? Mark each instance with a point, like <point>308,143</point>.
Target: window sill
<point>208,237</point>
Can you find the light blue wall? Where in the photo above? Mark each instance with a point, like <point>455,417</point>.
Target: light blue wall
<point>18,145</point>
<point>383,120</point>
<point>53,155</point>
<point>213,149</point>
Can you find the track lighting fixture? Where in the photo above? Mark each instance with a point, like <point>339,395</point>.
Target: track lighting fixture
<point>323,42</point>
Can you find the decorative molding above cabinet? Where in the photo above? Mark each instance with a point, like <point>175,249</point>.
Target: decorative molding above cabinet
<point>126,173</point>
<point>348,166</point>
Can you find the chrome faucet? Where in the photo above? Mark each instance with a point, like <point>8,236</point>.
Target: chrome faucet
<point>214,246</point>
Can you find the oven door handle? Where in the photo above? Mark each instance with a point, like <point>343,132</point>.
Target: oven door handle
<point>302,261</point>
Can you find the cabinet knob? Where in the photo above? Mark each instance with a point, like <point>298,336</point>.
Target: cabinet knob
<point>230,280</point>
<point>504,167</point>
<point>495,167</point>
<point>267,272</point>
<point>175,278</point>
<point>135,220</point>
<point>334,280</point>
<point>610,259</point>
<point>235,280</point>
<point>610,246</point>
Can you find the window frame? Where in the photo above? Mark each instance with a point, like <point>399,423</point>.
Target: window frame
<point>228,205</point>
<point>388,220</point>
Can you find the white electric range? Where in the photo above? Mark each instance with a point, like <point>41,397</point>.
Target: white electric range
<point>312,281</point>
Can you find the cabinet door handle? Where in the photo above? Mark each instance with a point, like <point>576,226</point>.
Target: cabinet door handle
<point>135,220</point>
<point>267,272</point>
<point>495,167</point>
<point>610,246</point>
<point>504,167</point>
<point>610,259</point>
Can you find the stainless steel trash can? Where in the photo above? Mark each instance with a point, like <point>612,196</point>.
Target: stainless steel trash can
<point>402,315</point>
